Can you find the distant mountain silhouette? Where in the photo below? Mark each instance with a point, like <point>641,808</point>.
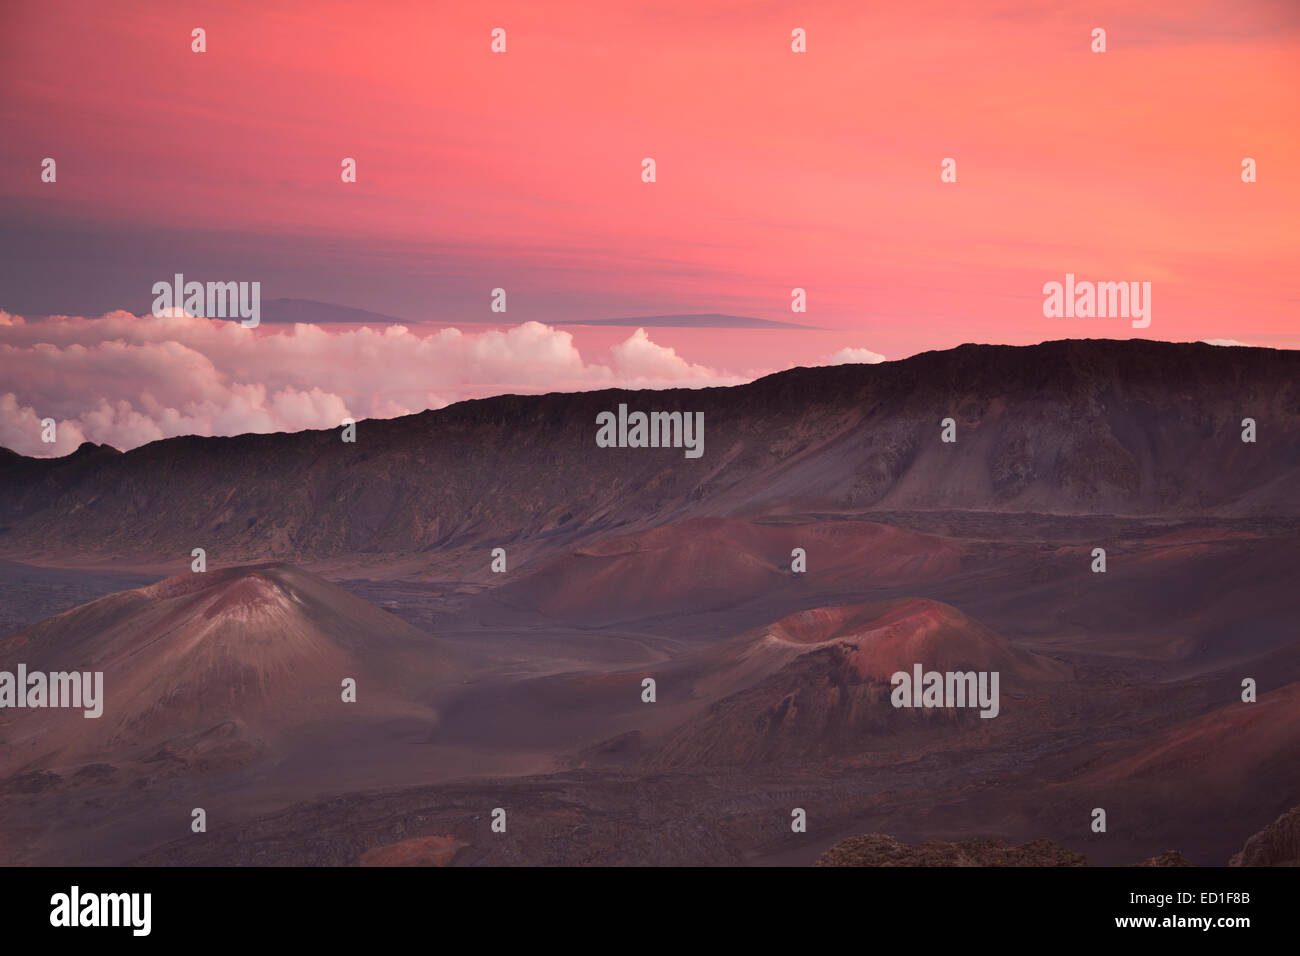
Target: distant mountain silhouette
<point>711,320</point>
<point>288,311</point>
<point>308,311</point>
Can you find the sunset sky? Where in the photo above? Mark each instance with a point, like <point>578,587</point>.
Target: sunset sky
<point>522,170</point>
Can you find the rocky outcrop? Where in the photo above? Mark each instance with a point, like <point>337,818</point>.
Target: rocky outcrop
<point>877,849</point>
<point>1278,844</point>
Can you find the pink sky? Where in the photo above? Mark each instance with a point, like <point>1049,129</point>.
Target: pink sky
<point>775,169</point>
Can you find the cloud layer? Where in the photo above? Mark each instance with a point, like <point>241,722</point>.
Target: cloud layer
<point>852,356</point>
<point>126,380</point>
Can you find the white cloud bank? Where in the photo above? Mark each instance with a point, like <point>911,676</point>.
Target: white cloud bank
<point>851,356</point>
<point>126,380</point>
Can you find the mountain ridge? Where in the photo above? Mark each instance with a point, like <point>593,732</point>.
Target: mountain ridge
<point>1091,426</point>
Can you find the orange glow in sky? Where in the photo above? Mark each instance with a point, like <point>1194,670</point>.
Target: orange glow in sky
<point>775,170</point>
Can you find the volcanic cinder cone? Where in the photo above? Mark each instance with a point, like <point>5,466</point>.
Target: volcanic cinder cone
<point>817,683</point>
<point>265,648</point>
